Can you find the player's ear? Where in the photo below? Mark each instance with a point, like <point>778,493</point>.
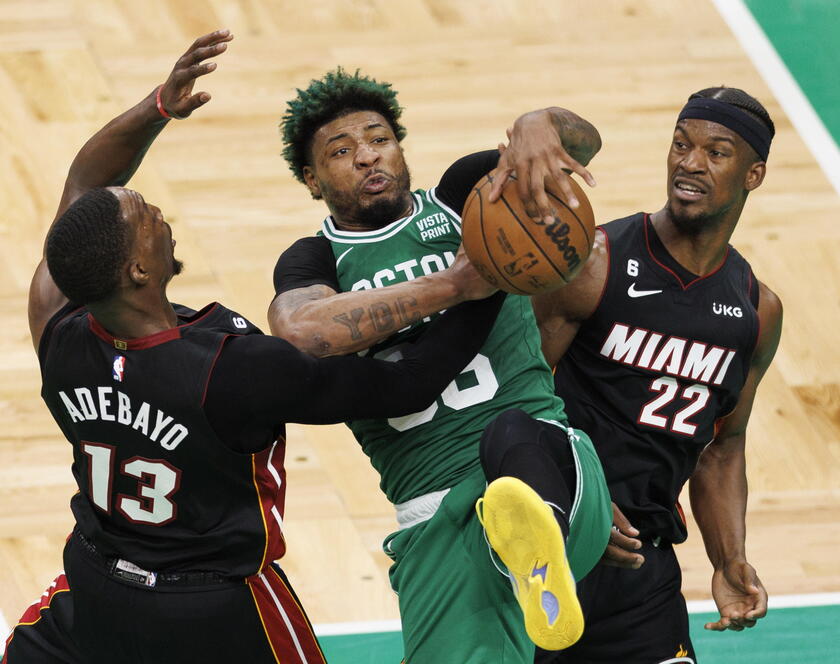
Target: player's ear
<point>137,274</point>
<point>755,175</point>
<point>312,182</point>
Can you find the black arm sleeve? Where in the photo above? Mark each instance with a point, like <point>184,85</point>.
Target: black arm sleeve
<point>259,382</point>
<point>458,180</point>
<point>307,262</point>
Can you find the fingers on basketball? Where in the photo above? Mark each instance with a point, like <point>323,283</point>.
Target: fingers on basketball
<point>521,255</point>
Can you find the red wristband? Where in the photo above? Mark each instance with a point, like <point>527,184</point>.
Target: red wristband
<point>161,109</point>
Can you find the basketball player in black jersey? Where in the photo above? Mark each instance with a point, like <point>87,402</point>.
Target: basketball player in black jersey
<point>660,345</point>
<point>176,418</point>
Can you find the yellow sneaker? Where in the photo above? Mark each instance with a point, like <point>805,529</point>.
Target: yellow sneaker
<point>523,532</point>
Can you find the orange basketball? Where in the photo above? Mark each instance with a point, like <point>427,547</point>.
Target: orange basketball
<point>517,254</point>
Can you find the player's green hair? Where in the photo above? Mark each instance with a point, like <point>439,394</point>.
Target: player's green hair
<point>333,96</point>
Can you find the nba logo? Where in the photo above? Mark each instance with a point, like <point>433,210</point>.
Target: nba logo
<point>118,368</point>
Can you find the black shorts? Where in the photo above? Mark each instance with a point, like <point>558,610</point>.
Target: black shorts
<point>632,616</point>
<point>95,614</point>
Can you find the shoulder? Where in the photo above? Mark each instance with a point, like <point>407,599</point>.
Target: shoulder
<point>770,309</point>
<point>307,247</point>
<point>458,180</point>
<point>618,230</point>
<point>309,261</point>
<point>770,315</point>
<point>217,318</point>
<point>68,315</point>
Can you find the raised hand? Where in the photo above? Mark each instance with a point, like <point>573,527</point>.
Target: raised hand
<point>740,597</point>
<point>536,153</point>
<point>622,544</point>
<point>176,94</point>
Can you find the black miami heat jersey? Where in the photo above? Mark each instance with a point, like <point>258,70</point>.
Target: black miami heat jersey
<point>157,487</point>
<point>652,371</point>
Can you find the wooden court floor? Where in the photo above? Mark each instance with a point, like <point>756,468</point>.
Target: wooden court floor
<point>464,70</point>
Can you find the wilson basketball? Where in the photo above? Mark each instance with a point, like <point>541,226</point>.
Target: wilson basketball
<point>519,255</point>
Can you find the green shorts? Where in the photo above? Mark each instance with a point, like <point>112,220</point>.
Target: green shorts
<point>591,518</point>
<point>456,602</point>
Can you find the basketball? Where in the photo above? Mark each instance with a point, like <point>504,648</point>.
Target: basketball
<point>517,254</point>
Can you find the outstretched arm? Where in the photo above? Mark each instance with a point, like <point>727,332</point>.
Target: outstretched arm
<point>319,321</point>
<point>270,382</point>
<point>561,312</point>
<point>112,155</point>
<point>718,490</point>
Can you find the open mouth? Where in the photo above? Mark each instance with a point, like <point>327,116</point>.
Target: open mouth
<point>686,190</point>
<point>375,184</point>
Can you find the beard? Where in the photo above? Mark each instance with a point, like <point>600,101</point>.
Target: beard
<point>694,222</point>
<point>370,212</point>
<point>177,266</point>
<point>688,223</point>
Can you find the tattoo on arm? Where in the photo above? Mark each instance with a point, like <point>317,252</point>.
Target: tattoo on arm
<point>404,310</point>
<point>580,138</point>
<point>381,317</point>
<point>384,317</point>
<point>351,320</point>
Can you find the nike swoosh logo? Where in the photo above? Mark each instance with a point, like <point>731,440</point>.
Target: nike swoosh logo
<point>632,292</point>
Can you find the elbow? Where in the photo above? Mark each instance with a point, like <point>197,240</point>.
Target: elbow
<point>305,337</point>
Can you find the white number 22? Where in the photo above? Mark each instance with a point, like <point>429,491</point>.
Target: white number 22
<point>697,395</point>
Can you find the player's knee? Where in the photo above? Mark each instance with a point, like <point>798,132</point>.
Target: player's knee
<point>511,427</point>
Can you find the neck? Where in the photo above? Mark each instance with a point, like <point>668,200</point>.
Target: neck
<point>700,252</point>
<point>134,318</point>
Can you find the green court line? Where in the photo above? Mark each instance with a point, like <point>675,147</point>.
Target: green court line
<point>806,35</point>
<point>806,635</point>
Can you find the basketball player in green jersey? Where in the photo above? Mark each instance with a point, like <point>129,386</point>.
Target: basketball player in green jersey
<point>385,260</point>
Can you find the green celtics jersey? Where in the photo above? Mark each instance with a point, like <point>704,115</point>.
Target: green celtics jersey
<point>433,449</point>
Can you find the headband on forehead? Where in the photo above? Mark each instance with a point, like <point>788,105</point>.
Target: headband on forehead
<point>751,130</point>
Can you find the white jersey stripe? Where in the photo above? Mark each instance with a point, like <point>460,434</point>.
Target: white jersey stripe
<point>277,517</point>
<point>285,618</point>
<point>365,237</point>
<point>432,196</point>
<point>271,468</point>
<point>432,193</point>
<point>570,434</point>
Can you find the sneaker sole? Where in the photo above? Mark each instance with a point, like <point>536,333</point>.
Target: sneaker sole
<point>523,532</point>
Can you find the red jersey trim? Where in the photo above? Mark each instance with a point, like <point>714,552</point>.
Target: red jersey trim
<point>269,478</point>
<point>150,341</point>
<point>309,629</point>
<point>684,286</point>
<point>284,622</point>
<point>33,612</point>
<point>680,512</point>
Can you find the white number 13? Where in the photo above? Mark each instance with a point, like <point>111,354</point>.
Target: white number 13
<point>157,481</point>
